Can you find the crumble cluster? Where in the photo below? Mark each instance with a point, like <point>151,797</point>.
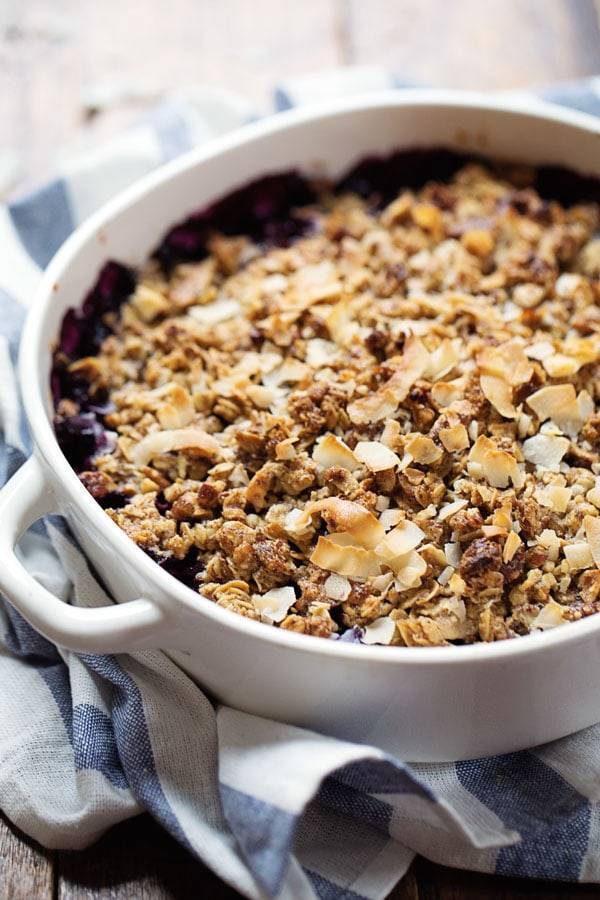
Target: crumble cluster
<point>387,432</point>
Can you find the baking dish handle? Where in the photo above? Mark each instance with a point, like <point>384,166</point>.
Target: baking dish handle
<point>106,629</point>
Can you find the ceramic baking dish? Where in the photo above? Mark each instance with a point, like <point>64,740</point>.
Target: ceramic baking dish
<point>436,703</point>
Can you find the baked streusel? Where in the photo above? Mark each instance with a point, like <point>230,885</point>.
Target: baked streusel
<point>367,412</point>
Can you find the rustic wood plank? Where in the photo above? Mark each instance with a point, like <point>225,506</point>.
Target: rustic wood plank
<point>136,859</point>
<point>441,883</point>
<point>26,869</point>
<point>408,889</point>
<point>469,44</point>
<point>52,55</point>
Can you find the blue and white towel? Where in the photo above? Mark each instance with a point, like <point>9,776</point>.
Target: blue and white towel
<point>86,741</point>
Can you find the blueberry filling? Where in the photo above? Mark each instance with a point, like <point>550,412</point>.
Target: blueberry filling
<point>350,636</point>
<point>113,500</point>
<point>382,177</point>
<point>262,210</point>
<point>84,329</point>
<point>186,570</point>
<point>80,437</point>
<point>162,504</point>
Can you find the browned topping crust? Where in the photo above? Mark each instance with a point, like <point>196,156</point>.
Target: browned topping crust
<point>392,424</point>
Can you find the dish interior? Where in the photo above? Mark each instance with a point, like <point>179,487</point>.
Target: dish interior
<point>363,410</point>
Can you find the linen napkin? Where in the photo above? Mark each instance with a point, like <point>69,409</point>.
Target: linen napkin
<point>87,740</point>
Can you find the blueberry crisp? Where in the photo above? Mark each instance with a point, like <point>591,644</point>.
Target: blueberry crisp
<point>366,411</point>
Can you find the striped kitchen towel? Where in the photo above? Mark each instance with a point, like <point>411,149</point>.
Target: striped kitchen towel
<point>87,740</point>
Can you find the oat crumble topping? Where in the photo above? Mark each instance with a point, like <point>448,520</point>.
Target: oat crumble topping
<point>387,430</point>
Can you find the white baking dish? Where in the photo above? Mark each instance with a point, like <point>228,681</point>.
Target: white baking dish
<point>421,703</point>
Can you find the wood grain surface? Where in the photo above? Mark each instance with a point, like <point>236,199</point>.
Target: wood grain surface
<point>74,71</point>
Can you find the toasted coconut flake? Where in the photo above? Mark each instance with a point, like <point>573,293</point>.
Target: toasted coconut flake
<point>274,284</point>
<point>178,411</point>
<point>443,393</point>
<point>593,495</point>
<point>401,540</point>
<point>553,496</point>
<point>591,525</point>
<point>451,618</point>
<point>292,370</point>
<point>381,583</point>
<point>508,361</point>
<point>285,449</point>
<point>498,467</point>
<point>274,605</point>
<point>499,394</point>
<point>560,366</point>
<point>445,575</point>
<point>423,450</point>
<point>409,569</point>
<point>559,403</point>
<point>159,442</point>
<point>149,303</point>
<point>528,295</point>
<point>492,530</point>
<point>457,585</point>
<point>231,384</point>
<point>578,555</point>
<point>320,352</point>
<point>455,438</point>
<point>262,397</point>
<point>390,517</point>
<point>381,631</point>
<point>384,402</point>
<point>502,518</point>
<point>442,360</point>
<point>567,285</point>
<point>350,561</point>
<point>551,615</point>
<point>337,588</point>
<point>376,456</point>
<point>213,313</point>
<point>511,545</point>
<point>540,350</point>
<point>340,324</point>
<point>315,283</point>
<point>297,523</point>
<point>350,518</point>
<point>453,623</point>
<point>550,540</point>
<point>585,350</point>
<point>450,508</point>
<point>585,405</point>
<point>524,423</point>
<point>545,450</point>
<point>390,434</point>
<point>331,451</point>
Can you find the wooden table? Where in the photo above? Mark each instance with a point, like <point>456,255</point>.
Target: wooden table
<point>57,59</point>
